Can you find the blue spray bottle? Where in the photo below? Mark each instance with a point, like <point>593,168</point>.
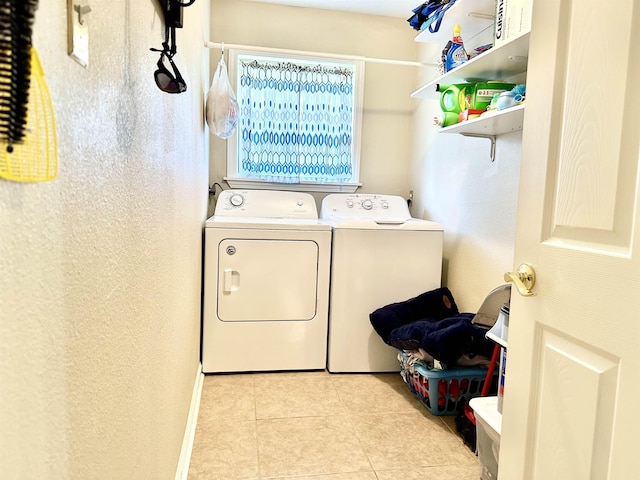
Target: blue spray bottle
<point>455,54</point>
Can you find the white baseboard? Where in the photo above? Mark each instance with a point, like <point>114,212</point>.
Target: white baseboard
<point>190,430</point>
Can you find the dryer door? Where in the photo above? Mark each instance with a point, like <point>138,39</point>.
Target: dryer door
<point>267,280</point>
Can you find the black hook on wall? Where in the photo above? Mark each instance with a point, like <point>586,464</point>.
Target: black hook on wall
<point>173,12</point>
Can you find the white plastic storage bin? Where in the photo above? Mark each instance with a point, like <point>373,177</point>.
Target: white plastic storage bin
<point>488,428</point>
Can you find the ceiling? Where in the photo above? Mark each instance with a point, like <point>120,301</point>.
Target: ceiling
<point>387,8</point>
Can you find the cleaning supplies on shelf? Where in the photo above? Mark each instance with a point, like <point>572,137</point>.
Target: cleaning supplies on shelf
<point>465,101</point>
<point>454,53</point>
<point>447,119</point>
<point>479,97</point>
<point>511,98</point>
<point>474,96</point>
<point>469,114</point>
<point>450,103</point>
<point>506,100</point>
<point>452,97</point>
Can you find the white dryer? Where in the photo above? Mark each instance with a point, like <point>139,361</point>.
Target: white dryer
<point>380,255</point>
<point>266,283</point>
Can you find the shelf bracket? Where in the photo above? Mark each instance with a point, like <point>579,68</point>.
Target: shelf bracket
<point>491,138</point>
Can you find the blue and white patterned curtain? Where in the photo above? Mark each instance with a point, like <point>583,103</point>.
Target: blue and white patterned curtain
<point>296,122</point>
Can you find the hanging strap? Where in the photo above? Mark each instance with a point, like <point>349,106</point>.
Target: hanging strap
<point>429,15</point>
<point>436,19</point>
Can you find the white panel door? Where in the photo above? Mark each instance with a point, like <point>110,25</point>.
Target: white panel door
<point>267,280</point>
<point>573,372</point>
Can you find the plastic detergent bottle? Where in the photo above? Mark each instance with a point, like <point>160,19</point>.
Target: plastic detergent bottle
<point>456,54</point>
<point>447,118</point>
<point>452,98</point>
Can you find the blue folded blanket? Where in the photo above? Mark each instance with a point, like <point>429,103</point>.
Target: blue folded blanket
<point>431,321</point>
<point>436,304</point>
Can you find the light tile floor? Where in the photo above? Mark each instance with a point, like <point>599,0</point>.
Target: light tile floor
<point>321,426</point>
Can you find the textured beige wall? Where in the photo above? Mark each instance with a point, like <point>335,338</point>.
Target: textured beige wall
<point>386,133</point>
<point>100,282</point>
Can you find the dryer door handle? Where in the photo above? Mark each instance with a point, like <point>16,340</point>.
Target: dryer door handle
<point>231,280</point>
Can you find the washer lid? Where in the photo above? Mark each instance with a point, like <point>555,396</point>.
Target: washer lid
<point>350,206</point>
<point>368,224</point>
<point>346,210</point>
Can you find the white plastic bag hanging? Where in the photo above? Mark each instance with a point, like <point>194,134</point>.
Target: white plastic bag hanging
<point>221,106</point>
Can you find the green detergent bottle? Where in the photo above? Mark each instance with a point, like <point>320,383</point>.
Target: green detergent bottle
<point>452,97</point>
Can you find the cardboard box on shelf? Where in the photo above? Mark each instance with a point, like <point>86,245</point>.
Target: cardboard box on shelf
<point>513,18</point>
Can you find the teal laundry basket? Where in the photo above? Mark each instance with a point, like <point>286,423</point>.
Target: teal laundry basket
<point>443,392</point>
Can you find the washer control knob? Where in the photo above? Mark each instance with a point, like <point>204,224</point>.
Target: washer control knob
<point>350,203</point>
<point>385,204</point>
<point>300,202</point>
<point>367,204</point>
<point>236,200</point>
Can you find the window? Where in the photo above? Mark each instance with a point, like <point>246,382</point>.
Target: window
<point>299,124</point>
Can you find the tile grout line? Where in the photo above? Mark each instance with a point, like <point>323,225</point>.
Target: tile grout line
<point>255,424</point>
<point>349,414</point>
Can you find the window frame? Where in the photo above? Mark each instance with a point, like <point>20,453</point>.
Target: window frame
<point>329,187</point>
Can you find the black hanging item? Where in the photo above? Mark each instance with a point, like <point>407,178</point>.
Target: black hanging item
<point>170,81</point>
<point>166,80</point>
<point>16,28</point>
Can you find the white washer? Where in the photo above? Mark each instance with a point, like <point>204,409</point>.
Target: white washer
<point>380,255</point>
<point>266,283</point>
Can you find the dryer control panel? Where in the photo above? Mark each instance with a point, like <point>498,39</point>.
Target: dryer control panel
<point>365,206</point>
<point>265,204</point>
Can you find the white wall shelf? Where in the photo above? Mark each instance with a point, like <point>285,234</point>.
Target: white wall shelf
<point>503,62</point>
<point>497,63</point>
<point>503,121</point>
<point>491,125</point>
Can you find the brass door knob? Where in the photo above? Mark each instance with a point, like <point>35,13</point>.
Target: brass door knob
<point>524,279</point>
